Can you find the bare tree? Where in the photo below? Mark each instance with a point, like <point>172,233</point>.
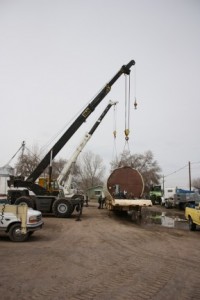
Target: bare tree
<point>90,171</point>
<point>57,166</point>
<point>28,161</point>
<point>143,163</point>
<point>196,183</point>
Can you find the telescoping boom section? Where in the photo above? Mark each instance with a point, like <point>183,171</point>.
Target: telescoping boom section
<point>69,166</point>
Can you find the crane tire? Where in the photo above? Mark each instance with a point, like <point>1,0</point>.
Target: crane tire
<point>25,200</point>
<point>62,208</point>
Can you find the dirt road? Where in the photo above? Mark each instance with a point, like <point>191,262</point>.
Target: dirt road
<point>101,257</point>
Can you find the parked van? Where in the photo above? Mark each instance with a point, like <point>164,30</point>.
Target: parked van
<point>169,192</point>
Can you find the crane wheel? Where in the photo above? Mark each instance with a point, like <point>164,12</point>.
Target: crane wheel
<point>62,208</point>
<point>25,200</point>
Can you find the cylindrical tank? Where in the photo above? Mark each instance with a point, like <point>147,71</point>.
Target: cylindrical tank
<point>125,182</point>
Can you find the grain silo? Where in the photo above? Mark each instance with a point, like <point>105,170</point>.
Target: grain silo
<point>5,173</point>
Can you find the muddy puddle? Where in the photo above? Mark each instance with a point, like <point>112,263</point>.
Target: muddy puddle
<point>159,219</point>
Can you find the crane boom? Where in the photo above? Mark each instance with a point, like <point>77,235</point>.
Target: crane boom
<point>69,166</point>
<point>125,69</point>
<point>46,199</point>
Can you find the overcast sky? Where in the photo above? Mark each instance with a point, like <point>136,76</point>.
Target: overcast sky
<point>55,56</point>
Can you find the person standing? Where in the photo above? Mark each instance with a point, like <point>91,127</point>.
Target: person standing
<point>100,200</point>
<point>86,200</point>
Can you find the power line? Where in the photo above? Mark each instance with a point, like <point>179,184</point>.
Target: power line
<point>176,171</point>
<point>181,169</point>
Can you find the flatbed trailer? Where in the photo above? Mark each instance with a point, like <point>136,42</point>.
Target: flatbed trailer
<point>126,204</point>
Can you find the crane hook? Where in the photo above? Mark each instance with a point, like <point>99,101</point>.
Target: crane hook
<point>126,131</point>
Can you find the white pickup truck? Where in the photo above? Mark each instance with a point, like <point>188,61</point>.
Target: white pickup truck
<point>19,221</point>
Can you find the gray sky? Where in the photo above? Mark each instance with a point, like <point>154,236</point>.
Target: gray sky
<point>55,56</point>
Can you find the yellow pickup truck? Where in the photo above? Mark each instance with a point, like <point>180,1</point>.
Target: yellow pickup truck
<point>192,214</point>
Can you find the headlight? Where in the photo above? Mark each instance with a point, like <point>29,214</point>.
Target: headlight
<point>33,219</point>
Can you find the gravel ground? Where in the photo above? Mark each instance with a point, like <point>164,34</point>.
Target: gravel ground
<point>104,256</point>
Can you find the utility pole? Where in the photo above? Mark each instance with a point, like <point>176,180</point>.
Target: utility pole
<point>163,185</point>
<point>189,166</point>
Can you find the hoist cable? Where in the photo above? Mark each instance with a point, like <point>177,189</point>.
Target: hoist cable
<point>129,100</point>
<point>127,107</point>
<point>114,154</point>
<point>114,121</point>
<point>125,100</point>
<point>135,97</point>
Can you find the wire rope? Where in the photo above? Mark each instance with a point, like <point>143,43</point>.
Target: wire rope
<point>114,153</point>
<point>127,107</point>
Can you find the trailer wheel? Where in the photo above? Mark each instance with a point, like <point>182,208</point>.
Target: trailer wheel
<point>25,200</point>
<point>159,201</point>
<point>166,204</point>
<point>153,199</point>
<point>62,208</point>
<point>192,226</point>
<point>15,233</point>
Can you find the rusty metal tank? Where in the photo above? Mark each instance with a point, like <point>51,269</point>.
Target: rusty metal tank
<point>125,180</point>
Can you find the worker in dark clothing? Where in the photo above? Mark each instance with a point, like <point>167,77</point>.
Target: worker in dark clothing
<point>100,200</point>
<point>86,200</point>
